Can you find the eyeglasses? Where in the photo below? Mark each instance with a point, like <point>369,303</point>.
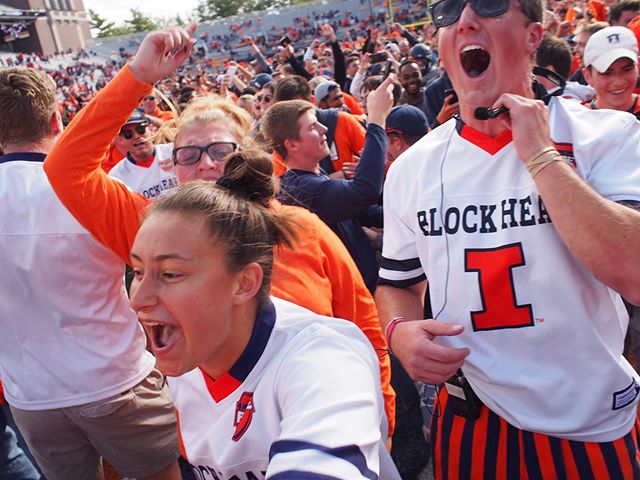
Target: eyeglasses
<point>149,97</point>
<point>190,154</point>
<point>447,12</point>
<point>266,98</point>
<point>128,133</point>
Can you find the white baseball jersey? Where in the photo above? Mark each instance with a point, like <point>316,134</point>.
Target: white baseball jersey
<point>67,333</point>
<point>302,401</point>
<point>152,181</point>
<point>545,336</point>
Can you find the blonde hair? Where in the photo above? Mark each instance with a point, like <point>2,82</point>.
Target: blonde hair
<point>210,109</point>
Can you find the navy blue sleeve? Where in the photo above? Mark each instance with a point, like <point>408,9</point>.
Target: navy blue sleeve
<point>337,200</point>
<point>372,216</point>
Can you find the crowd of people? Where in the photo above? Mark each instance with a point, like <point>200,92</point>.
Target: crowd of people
<point>355,249</point>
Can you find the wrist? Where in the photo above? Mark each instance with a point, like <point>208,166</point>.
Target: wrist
<point>541,159</point>
<point>388,331</point>
<point>140,74</point>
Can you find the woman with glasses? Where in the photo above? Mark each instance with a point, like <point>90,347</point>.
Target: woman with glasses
<point>317,272</point>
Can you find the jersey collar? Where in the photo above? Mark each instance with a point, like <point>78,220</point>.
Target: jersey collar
<point>147,163</point>
<point>22,157</point>
<point>489,144</point>
<point>229,382</point>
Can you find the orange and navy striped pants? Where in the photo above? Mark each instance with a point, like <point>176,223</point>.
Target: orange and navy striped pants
<point>489,448</point>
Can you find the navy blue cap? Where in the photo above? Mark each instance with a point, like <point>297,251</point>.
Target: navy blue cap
<point>261,80</point>
<point>407,120</point>
<point>136,117</point>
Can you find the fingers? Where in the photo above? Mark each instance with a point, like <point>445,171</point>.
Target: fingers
<point>424,359</point>
<point>528,120</point>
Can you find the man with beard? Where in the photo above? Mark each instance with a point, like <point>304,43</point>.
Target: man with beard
<point>524,218</point>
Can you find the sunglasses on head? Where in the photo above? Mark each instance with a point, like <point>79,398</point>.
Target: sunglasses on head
<point>128,133</point>
<point>190,154</point>
<point>447,12</point>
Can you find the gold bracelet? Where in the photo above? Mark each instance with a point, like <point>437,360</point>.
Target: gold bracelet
<point>539,153</point>
<point>543,161</point>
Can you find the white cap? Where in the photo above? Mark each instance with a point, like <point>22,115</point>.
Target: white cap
<point>608,45</point>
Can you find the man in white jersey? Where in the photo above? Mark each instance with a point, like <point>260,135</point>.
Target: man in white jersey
<point>515,217</point>
<point>76,374</point>
<point>147,169</point>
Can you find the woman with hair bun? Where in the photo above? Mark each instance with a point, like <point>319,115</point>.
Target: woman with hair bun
<point>262,387</point>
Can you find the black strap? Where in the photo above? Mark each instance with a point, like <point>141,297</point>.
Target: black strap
<point>540,91</point>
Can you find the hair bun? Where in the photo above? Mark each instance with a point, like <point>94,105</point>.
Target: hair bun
<point>249,174</point>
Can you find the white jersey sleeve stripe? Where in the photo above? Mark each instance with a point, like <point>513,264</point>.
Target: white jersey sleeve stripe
<point>350,453</point>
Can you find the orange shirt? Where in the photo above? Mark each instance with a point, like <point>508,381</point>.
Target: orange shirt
<point>318,273</point>
<point>352,104</point>
<point>112,157</point>
<point>164,115</point>
<point>598,10</point>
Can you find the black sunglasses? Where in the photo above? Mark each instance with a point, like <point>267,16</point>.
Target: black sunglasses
<point>266,98</point>
<point>190,154</point>
<point>149,97</point>
<point>447,12</point>
<point>128,133</point>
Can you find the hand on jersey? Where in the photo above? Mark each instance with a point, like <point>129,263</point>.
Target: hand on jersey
<point>528,120</point>
<point>162,52</point>
<point>423,359</point>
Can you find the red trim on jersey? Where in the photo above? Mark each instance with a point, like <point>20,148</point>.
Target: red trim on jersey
<point>222,387</point>
<point>183,451</point>
<point>147,163</point>
<point>489,144</point>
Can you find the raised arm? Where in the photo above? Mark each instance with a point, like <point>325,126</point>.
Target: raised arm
<point>103,205</point>
<point>336,200</point>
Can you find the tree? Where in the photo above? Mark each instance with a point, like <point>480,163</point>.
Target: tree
<point>179,21</point>
<point>101,24</point>
<point>139,22</point>
<point>213,9</point>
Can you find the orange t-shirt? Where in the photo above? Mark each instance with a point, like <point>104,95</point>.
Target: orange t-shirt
<point>352,104</point>
<point>318,273</point>
<point>112,157</point>
<point>164,115</point>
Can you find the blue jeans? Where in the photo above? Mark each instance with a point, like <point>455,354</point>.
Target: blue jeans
<point>14,464</point>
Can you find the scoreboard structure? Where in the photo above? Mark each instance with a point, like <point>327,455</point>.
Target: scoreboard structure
<point>43,26</point>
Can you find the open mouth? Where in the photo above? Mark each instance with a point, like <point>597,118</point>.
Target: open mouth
<point>162,335</point>
<point>474,60</point>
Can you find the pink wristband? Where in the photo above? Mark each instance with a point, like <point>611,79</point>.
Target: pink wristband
<point>388,331</point>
